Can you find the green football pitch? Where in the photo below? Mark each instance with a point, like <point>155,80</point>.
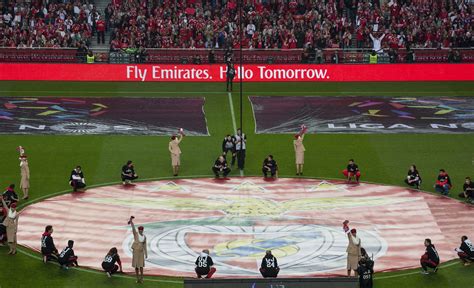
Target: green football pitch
<point>384,158</point>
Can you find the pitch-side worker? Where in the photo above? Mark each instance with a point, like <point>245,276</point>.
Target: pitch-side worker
<point>299,150</point>
<point>353,249</point>
<point>139,250</point>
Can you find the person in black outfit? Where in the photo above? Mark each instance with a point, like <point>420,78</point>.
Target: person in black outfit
<point>269,266</point>
<point>10,195</point>
<point>204,265</point>
<point>468,190</point>
<point>430,259</point>
<point>240,148</point>
<point>48,249</point>
<point>392,55</point>
<point>365,270</point>
<point>413,177</point>
<point>352,171</point>
<point>128,173</point>
<point>230,74</point>
<point>67,258</point>
<point>76,180</point>
<point>228,145</point>
<point>220,166</point>
<point>110,259</point>
<point>270,166</point>
<point>211,58</point>
<point>466,251</point>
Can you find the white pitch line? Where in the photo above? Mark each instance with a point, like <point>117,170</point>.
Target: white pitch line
<point>232,112</point>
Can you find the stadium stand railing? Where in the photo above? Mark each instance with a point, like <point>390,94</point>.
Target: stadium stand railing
<point>200,56</point>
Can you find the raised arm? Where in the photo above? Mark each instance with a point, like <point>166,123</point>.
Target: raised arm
<point>3,202</point>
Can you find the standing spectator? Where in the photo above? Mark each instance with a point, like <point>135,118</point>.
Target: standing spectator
<point>352,171</point>
<point>100,27</point>
<point>67,258</point>
<point>270,166</point>
<point>110,259</point>
<point>269,266</point>
<point>443,183</point>
<point>240,147</point>
<point>11,224</point>
<point>250,29</point>
<point>77,180</point>
<point>430,259</point>
<point>10,195</point>
<point>413,177</point>
<point>139,248</point>
<point>466,251</point>
<point>48,249</point>
<point>468,190</point>
<point>410,57</point>
<point>392,56</point>
<point>128,173</point>
<point>220,166</point>
<point>25,176</point>
<point>204,265</point>
<point>377,43</point>
<point>228,145</point>
<point>175,151</point>
<point>353,249</point>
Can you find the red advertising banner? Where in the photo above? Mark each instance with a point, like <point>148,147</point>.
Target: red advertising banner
<point>250,72</point>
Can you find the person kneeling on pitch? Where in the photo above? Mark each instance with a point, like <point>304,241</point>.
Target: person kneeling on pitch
<point>430,259</point>
<point>270,166</point>
<point>76,180</point>
<point>443,183</point>
<point>269,267</point>
<point>466,251</point>
<point>204,265</point>
<point>109,265</point>
<point>413,177</point>
<point>128,173</point>
<point>67,258</point>
<point>48,249</point>
<point>352,171</point>
<point>220,166</point>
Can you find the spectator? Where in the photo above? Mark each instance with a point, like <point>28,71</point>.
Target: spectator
<point>430,259</point>
<point>466,251</point>
<point>413,177</point>
<point>454,56</point>
<point>443,183</point>
<point>468,191</point>
<point>270,166</point>
<point>100,27</point>
<point>392,55</point>
<point>377,43</point>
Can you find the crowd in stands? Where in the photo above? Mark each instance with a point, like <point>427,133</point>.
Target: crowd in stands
<point>49,24</point>
<point>288,24</point>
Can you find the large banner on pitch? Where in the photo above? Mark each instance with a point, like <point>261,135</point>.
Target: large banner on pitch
<point>251,72</point>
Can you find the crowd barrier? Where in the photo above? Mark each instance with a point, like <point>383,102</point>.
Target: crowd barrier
<point>249,72</point>
<point>189,56</point>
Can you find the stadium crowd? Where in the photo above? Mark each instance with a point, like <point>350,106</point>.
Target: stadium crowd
<point>49,24</point>
<point>290,24</point>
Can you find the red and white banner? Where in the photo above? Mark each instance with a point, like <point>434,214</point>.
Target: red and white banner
<point>250,73</point>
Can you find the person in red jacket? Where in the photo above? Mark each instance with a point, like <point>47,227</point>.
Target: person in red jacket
<point>430,259</point>
<point>100,27</point>
<point>443,183</point>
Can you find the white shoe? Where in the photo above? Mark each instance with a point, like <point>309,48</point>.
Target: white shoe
<point>109,275</point>
<point>424,272</point>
